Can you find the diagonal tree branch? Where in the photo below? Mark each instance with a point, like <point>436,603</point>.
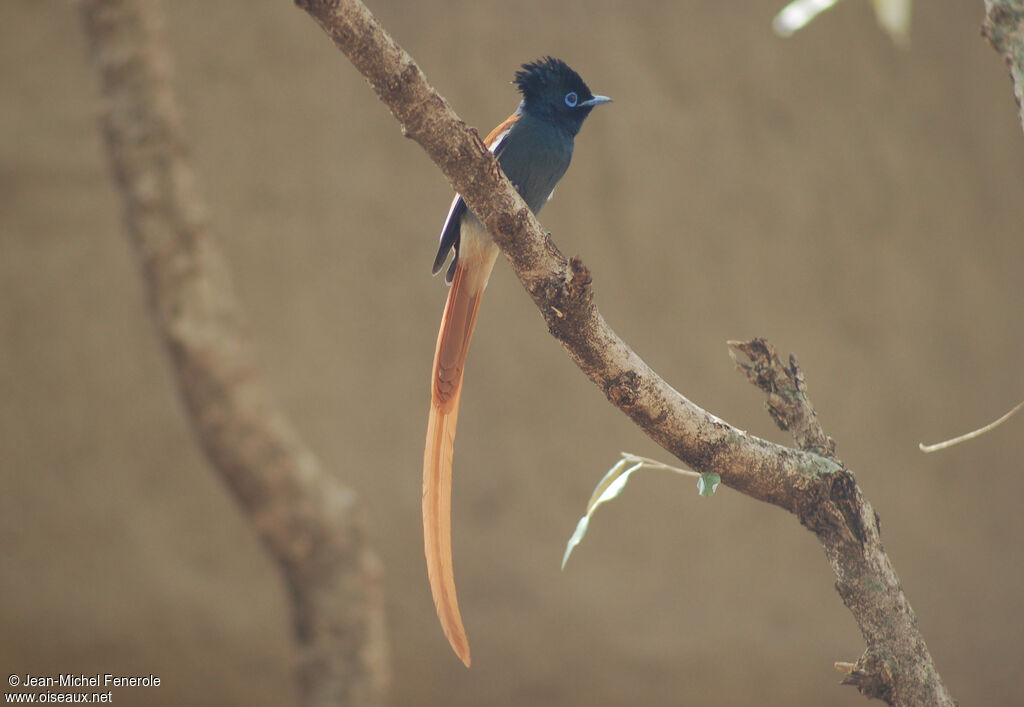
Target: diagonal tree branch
<point>896,666</point>
<point>560,287</point>
<point>311,524</point>
<point>788,404</point>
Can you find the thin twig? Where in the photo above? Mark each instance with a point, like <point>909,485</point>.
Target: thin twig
<point>631,458</point>
<point>970,435</point>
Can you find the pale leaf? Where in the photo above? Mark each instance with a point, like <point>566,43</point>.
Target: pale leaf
<point>615,481</point>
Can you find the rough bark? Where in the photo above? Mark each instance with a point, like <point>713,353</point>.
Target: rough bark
<point>311,524</point>
<point>896,665</point>
<point>1003,27</point>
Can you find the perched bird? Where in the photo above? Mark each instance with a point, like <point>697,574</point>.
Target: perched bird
<point>534,147</point>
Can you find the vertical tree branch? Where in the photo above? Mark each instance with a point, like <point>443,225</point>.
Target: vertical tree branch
<point>896,666</point>
<point>311,524</point>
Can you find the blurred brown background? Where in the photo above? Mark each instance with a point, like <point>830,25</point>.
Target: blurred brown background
<point>858,204</point>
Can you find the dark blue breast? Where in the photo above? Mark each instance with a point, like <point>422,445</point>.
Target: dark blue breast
<point>535,155</point>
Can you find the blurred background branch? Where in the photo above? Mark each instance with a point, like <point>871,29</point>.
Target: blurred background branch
<point>311,524</point>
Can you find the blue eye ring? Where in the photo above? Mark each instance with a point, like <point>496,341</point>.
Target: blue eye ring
<point>571,99</point>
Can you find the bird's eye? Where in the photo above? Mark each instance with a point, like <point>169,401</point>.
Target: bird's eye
<point>571,99</point>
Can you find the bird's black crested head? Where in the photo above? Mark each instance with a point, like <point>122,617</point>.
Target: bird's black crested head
<point>554,92</point>
<point>549,76</point>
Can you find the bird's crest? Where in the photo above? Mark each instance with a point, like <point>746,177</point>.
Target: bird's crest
<point>549,74</point>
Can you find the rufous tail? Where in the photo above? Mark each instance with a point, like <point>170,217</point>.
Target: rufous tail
<point>449,362</point>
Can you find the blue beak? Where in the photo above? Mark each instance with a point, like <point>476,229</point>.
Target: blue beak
<point>596,101</point>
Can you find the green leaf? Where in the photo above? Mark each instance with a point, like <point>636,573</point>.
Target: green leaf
<point>798,14</point>
<point>608,488</point>
<point>581,530</point>
<point>894,18</point>
<point>708,483</point>
<point>892,15</point>
<point>615,481</point>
